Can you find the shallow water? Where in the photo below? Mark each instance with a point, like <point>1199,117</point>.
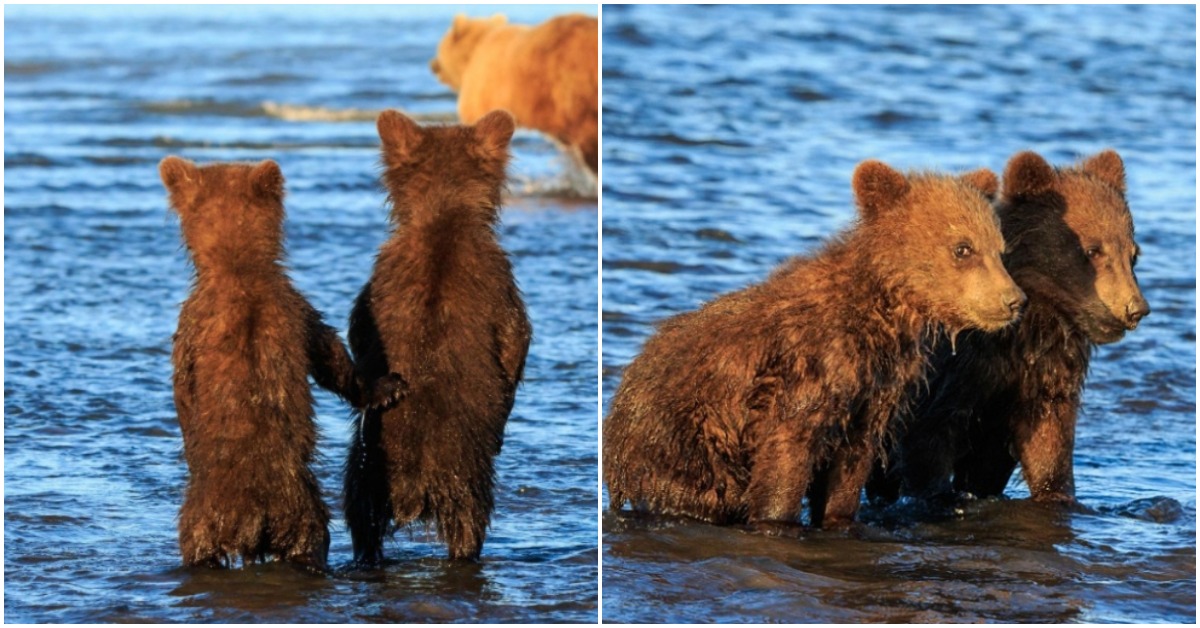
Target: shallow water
<point>94,274</point>
<point>729,137</point>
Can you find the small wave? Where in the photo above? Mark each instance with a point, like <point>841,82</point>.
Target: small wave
<point>162,141</point>
<point>717,235</point>
<point>202,107</point>
<point>666,268</point>
<point>386,95</point>
<point>311,113</point>
<point>630,34</point>
<point>118,160</point>
<point>30,68</point>
<point>280,111</point>
<point>35,160</point>
<point>362,185</point>
<point>679,140</point>
<point>570,183</point>
<point>733,81</point>
<point>806,94</point>
<point>305,113</point>
<point>270,78</point>
<point>890,118</point>
<point>1158,509</point>
<point>52,209</point>
<point>27,160</point>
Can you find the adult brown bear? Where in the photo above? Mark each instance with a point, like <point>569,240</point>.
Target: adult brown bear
<point>545,75</point>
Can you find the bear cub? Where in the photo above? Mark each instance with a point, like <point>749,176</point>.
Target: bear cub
<point>442,307</point>
<point>246,343</point>
<point>1012,397</point>
<point>736,412</point>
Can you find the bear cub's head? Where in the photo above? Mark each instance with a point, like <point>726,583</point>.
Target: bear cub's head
<point>1071,242</point>
<point>445,168</point>
<point>230,213</point>
<point>458,45</point>
<point>935,240</point>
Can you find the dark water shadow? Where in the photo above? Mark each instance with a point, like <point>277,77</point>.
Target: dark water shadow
<point>253,593</point>
<point>999,560</point>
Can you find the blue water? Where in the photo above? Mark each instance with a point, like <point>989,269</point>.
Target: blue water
<point>730,134</point>
<point>94,274</point>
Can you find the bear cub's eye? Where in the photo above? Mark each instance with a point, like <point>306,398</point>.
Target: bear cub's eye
<point>1092,252</point>
<point>963,250</point>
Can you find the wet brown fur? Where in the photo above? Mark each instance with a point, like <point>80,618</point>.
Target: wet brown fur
<point>442,307</point>
<point>1013,396</point>
<point>734,412</point>
<point>246,344</point>
<point>546,75</point>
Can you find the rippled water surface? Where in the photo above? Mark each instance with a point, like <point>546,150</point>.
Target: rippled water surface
<point>730,134</point>
<point>94,274</point>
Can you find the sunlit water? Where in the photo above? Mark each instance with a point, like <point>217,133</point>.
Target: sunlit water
<point>94,274</point>
<point>730,134</point>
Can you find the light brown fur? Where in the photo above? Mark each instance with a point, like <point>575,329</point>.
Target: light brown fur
<point>734,412</point>
<point>545,75</point>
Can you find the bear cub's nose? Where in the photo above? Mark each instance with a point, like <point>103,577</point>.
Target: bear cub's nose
<point>1136,311</point>
<point>1015,301</point>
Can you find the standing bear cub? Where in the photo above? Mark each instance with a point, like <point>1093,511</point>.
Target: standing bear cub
<point>546,75</point>
<point>1012,397</point>
<point>737,411</point>
<point>443,308</point>
<point>246,344</point>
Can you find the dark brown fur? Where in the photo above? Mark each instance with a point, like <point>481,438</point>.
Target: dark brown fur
<point>442,306</point>
<point>246,344</point>
<point>1012,396</point>
<point>733,412</point>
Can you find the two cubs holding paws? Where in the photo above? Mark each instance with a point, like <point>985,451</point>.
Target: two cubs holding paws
<point>439,338</point>
<point>439,333</point>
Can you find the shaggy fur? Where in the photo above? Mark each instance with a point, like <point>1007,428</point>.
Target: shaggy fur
<point>442,307</point>
<point>733,412</point>
<point>1012,396</point>
<point>246,344</point>
<point>545,75</point>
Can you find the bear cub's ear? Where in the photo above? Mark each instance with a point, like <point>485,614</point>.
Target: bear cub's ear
<point>1108,167</point>
<point>177,172</point>
<point>1027,174</point>
<point>983,180</point>
<point>878,187</point>
<point>267,179</point>
<point>400,134</point>
<point>494,131</point>
<point>181,177</point>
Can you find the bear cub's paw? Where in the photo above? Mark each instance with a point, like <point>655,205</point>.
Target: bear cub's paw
<point>387,390</point>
